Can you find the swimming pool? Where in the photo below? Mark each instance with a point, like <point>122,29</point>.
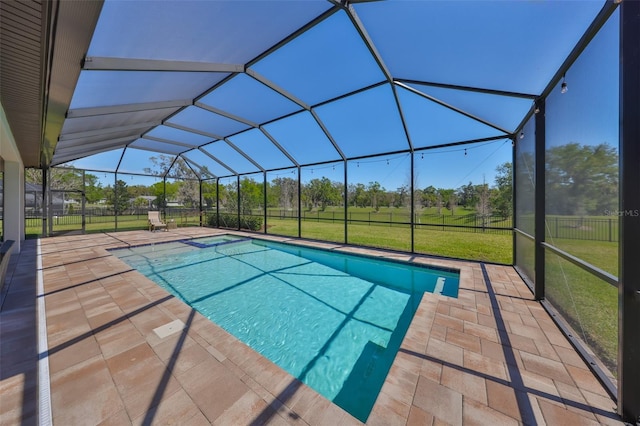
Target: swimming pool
<point>332,320</point>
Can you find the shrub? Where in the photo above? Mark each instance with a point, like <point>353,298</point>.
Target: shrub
<point>252,223</point>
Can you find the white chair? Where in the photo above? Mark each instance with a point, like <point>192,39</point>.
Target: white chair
<point>155,222</point>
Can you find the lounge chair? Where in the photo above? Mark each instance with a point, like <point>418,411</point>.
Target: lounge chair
<point>155,222</point>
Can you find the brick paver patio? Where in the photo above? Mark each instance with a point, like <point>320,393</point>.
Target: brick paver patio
<point>490,356</point>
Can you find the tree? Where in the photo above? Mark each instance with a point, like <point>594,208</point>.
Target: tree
<point>69,179</point>
<point>283,193</point>
<point>251,195</point>
<point>209,193</point>
<point>374,190</point>
<point>502,196</point>
<point>66,178</point>
<point>483,207</point>
<point>447,199</point>
<point>187,185</point>
<point>581,179</point>
<point>358,195</point>
<point>401,196</point>
<point>93,189</point>
<point>164,191</point>
<point>321,193</point>
<point>140,203</point>
<point>119,196</point>
<point>188,193</point>
<point>467,195</point>
<point>524,176</point>
<point>430,196</point>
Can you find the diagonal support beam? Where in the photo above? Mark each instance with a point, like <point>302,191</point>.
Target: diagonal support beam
<point>135,128</point>
<point>216,159</point>
<point>117,109</point>
<point>452,108</point>
<point>169,141</point>
<point>99,63</point>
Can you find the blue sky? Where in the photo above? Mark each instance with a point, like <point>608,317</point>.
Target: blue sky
<point>498,45</point>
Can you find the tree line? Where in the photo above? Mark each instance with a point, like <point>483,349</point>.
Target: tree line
<point>580,180</point>
<point>321,193</point>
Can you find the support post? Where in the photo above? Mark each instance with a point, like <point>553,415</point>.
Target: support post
<point>540,209</point>
<point>115,199</point>
<point>45,205</point>
<point>264,191</point>
<point>412,188</point>
<point>201,211</point>
<point>299,202</point>
<point>218,202</point>
<point>629,246</point>
<point>346,204</point>
<point>238,197</point>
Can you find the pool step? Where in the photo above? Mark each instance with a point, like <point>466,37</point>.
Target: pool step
<point>216,244</point>
<point>439,286</point>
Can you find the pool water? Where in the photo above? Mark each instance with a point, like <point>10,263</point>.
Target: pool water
<point>332,320</point>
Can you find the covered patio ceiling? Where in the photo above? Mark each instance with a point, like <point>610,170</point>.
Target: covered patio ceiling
<point>236,87</point>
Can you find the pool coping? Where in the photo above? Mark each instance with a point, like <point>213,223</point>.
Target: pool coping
<point>441,359</point>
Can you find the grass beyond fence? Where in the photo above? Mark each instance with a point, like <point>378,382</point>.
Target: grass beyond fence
<point>588,304</point>
<point>460,217</point>
<point>450,243</point>
<point>107,223</point>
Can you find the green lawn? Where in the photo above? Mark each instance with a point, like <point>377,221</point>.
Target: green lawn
<point>95,224</point>
<point>460,217</point>
<point>602,254</point>
<point>458,244</point>
<point>589,304</point>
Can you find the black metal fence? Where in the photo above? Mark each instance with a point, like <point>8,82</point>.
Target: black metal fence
<point>446,222</point>
<point>561,227</point>
<point>576,228</point>
<point>136,217</point>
